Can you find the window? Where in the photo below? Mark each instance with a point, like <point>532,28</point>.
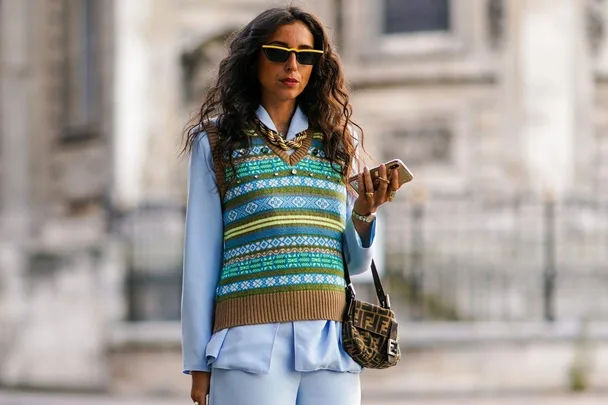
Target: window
<point>80,80</point>
<point>411,16</point>
<point>395,29</point>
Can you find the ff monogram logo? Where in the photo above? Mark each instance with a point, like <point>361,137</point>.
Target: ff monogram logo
<point>370,335</point>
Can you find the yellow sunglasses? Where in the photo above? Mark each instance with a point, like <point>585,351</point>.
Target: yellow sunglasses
<point>280,54</point>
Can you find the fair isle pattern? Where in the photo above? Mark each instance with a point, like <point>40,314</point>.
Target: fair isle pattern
<point>283,229</point>
<point>259,164</point>
<point>274,181</point>
<point>286,261</point>
<point>260,150</point>
<point>282,242</point>
<point>274,202</point>
<point>282,251</point>
<point>288,281</point>
<point>305,199</point>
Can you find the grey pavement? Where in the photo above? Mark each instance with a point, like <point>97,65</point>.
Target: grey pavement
<point>21,398</point>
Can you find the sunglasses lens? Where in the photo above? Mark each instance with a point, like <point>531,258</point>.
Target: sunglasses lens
<point>281,56</point>
<point>308,58</point>
<point>276,55</point>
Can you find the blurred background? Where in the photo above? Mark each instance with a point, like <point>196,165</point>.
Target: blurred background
<point>495,256</point>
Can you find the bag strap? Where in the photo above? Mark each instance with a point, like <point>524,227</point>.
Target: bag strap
<point>220,174</point>
<point>383,298</point>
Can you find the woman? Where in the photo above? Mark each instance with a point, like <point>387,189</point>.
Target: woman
<point>269,218</point>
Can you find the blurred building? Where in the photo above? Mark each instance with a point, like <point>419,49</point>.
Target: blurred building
<point>485,100</point>
<point>56,123</point>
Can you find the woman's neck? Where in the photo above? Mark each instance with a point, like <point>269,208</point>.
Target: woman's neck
<point>280,114</point>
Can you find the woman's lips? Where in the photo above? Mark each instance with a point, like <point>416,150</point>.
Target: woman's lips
<point>290,82</point>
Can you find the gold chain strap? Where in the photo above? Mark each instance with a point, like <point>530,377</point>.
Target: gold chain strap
<point>278,140</point>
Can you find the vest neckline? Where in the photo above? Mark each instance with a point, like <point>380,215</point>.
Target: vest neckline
<point>297,155</point>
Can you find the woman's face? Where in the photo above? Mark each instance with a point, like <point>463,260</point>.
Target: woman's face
<point>284,81</point>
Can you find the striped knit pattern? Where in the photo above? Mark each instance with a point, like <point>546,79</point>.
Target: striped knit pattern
<point>283,227</point>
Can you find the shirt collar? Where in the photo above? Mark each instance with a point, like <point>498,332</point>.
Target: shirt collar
<point>299,121</point>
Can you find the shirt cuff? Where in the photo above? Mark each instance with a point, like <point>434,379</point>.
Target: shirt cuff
<point>197,367</point>
<point>353,238</point>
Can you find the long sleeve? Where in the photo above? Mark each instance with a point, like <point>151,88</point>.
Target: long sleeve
<point>358,253</point>
<point>203,251</point>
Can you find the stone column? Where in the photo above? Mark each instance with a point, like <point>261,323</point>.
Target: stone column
<point>132,97</point>
<point>15,77</point>
<point>162,180</point>
<point>14,94</point>
<point>548,95</point>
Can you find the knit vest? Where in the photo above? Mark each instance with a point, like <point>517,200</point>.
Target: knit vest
<point>284,217</point>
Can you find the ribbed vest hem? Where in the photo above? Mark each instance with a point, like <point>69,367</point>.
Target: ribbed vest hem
<point>280,307</point>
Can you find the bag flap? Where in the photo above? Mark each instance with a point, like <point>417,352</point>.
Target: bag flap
<point>372,318</point>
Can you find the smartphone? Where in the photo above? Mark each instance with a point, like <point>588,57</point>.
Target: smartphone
<point>405,175</point>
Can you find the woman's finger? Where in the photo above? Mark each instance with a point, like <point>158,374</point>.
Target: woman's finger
<point>360,184</point>
<point>395,180</point>
<point>394,186</point>
<point>382,186</point>
<point>369,185</point>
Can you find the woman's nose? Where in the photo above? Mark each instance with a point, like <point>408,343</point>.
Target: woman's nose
<point>292,63</point>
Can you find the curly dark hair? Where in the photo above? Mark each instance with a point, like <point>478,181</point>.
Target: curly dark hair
<point>236,95</point>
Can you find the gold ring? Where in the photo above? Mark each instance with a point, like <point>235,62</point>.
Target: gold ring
<point>384,180</point>
<point>391,195</point>
<point>369,195</point>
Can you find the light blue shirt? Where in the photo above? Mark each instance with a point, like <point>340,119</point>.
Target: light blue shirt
<point>317,344</point>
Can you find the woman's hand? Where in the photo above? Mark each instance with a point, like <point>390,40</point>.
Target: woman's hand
<point>369,199</point>
<point>200,386</point>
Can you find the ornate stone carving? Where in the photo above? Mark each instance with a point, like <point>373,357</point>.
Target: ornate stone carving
<point>198,66</point>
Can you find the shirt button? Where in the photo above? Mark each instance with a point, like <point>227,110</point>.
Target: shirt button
<point>311,175</point>
<point>276,174</point>
<point>328,177</point>
<point>294,171</point>
<point>264,150</point>
<point>256,176</point>
<point>315,151</point>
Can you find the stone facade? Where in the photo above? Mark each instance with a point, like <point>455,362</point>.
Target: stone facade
<point>56,159</point>
<point>458,102</point>
<point>483,98</point>
<point>492,98</point>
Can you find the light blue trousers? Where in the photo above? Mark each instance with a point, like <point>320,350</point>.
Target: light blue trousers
<point>283,385</point>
